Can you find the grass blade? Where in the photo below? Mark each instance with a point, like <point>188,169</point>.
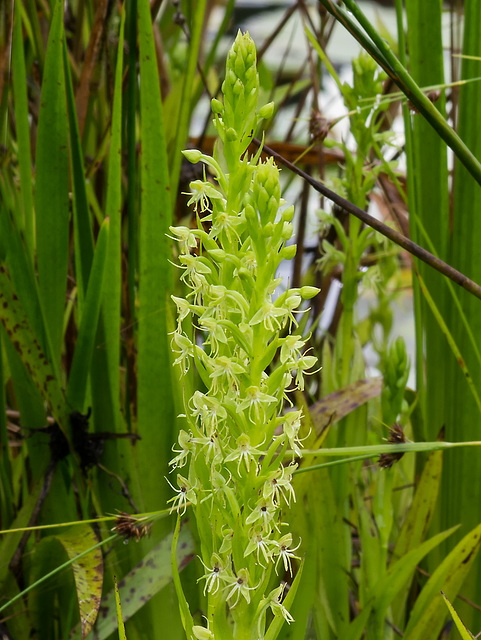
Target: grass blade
<point>77,387</point>
<point>111,312</point>
<point>52,186</point>
<point>429,611</point>
<point>84,242</point>
<point>120,621</point>
<point>156,415</point>
<point>18,328</point>
<point>19,78</point>
<point>464,632</point>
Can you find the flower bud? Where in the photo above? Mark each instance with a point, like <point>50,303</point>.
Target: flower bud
<point>201,633</point>
<point>217,106</point>
<point>287,230</point>
<point>288,214</point>
<point>266,112</point>
<point>219,255</point>
<point>231,134</point>
<point>240,88</point>
<point>289,252</point>
<point>267,190</point>
<point>309,292</point>
<point>192,155</point>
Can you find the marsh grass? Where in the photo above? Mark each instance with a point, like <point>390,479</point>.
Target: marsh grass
<point>95,108</point>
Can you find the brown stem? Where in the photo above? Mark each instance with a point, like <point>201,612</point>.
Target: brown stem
<point>398,238</point>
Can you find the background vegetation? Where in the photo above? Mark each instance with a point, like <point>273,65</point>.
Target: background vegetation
<point>96,103</point>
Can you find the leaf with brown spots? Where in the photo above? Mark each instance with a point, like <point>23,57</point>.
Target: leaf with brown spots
<point>151,575</point>
<point>20,332</point>
<point>428,614</point>
<point>88,572</point>
<point>339,404</point>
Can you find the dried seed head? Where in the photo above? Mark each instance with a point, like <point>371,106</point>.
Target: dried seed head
<point>131,526</point>
<point>396,436</point>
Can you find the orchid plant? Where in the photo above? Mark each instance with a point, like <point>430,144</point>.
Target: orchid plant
<point>234,463</point>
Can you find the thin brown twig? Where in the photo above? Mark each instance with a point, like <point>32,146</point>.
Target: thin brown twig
<point>396,237</point>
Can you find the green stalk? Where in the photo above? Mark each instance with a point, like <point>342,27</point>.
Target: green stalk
<point>460,489</point>
<point>385,57</point>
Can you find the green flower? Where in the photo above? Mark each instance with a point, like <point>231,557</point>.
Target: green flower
<point>215,575</point>
<point>254,402</point>
<point>261,543</point>
<point>239,586</point>
<point>244,453</point>
<point>202,193</point>
<point>285,553</point>
<point>186,493</point>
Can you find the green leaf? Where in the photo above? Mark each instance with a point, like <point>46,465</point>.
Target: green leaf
<point>187,621</point>
<point>428,614</point>
<point>156,414</point>
<point>84,242</point>
<point>417,521</point>
<point>463,630</point>
<point>88,571</point>
<point>418,518</point>
<point>19,78</point>
<point>88,326</point>
<point>185,106</point>
<point>399,574</point>
<point>120,621</point>
<point>111,312</point>
<point>276,625</point>
<point>52,187</point>
<point>151,575</point>
<point>10,542</point>
<point>16,324</point>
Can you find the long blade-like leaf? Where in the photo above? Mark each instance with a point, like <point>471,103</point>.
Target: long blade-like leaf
<point>52,186</point>
<point>156,415</point>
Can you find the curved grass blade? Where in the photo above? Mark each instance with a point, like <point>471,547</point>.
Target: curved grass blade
<point>420,513</point>
<point>398,576</point>
<point>276,625</point>
<point>9,543</point>
<point>187,621</point>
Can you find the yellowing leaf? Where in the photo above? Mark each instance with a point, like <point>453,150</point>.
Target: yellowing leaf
<point>88,572</point>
